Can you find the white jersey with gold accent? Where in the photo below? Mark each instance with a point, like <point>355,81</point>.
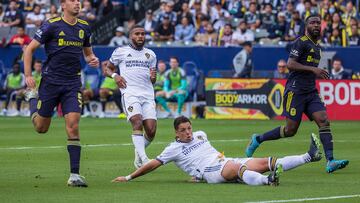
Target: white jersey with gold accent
<point>134,66</point>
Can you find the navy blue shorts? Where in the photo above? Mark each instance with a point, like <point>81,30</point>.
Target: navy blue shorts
<point>50,95</point>
<point>295,105</point>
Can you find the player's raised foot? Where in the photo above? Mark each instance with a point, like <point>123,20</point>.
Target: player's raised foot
<point>252,146</point>
<point>76,180</point>
<point>334,165</point>
<point>274,176</point>
<point>30,94</point>
<point>137,161</point>
<point>314,150</point>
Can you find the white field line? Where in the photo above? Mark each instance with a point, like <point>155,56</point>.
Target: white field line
<point>130,144</point>
<point>309,199</point>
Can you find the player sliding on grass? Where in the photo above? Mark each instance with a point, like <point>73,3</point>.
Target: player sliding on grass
<point>193,153</point>
<point>301,95</point>
<point>66,39</point>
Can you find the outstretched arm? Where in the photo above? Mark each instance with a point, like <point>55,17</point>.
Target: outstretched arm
<point>147,168</point>
<point>110,71</point>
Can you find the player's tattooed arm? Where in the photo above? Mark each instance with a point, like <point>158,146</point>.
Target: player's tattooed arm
<point>296,66</point>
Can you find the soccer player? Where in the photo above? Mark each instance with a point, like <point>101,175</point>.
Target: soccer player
<point>66,38</point>
<point>193,153</point>
<point>137,66</point>
<point>301,95</point>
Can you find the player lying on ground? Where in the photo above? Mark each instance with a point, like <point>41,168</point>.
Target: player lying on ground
<point>193,153</point>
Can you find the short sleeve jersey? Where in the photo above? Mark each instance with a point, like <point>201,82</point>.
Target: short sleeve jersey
<point>134,66</point>
<point>305,52</point>
<point>190,157</point>
<point>64,44</point>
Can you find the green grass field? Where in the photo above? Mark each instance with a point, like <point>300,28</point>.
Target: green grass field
<point>34,167</point>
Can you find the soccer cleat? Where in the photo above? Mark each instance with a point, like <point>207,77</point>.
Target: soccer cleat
<point>86,114</point>
<point>273,178</point>
<point>334,165</point>
<point>76,180</point>
<point>30,94</point>
<point>252,146</point>
<point>137,161</point>
<point>314,151</point>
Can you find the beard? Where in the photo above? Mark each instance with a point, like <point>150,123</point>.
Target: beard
<point>138,44</point>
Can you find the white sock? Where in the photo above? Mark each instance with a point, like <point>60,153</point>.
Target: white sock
<point>290,162</point>
<point>254,178</point>
<point>139,144</point>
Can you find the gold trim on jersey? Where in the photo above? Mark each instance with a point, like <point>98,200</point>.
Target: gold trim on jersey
<point>317,43</point>
<point>54,19</point>
<point>82,22</point>
<point>289,100</point>
<point>68,22</point>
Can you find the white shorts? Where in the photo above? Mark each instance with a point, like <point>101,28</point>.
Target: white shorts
<point>133,105</point>
<point>212,173</point>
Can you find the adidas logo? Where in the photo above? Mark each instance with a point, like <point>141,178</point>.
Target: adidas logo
<point>312,50</point>
<point>62,33</point>
<point>129,55</point>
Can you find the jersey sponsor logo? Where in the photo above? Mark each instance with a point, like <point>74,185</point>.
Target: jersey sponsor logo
<point>147,55</point>
<point>63,42</point>
<point>81,34</point>
<point>193,147</point>
<point>62,33</point>
<point>311,59</point>
<point>137,63</point>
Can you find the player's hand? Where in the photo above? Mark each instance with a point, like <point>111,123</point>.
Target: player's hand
<point>321,73</point>
<point>153,74</point>
<point>119,179</point>
<point>94,62</point>
<point>30,82</point>
<point>120,81</point>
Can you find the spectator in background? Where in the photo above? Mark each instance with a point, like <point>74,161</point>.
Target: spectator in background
<point>300,7</point>
<point>29,6</point>
<point>243,34</point>
<point>309,10</point>
<point>175,84</point>
<point>219,16</point>
<point>184,32</point>
<point>282,71</point>
<point>354,37</point>
<point>149,25</point>
<point>119,39</point>
<point>335,38</point>
<point>277,32</point>
<point>336,23</point>
<point>203,25</point>
<point>209,38</point>
<point>165,31</point>
<point>289,11</point>
<point>295,28</point>
<point>244,66</point>
<point>268,18</point>
<point>103,8</point>
<point>21,38</point>
<point>13,16</point>
<point>168,12</point>
<point>90,89</point>
<point>35,18</point>
<point>226,36</point>
<point>185,12</point>
<point>252,17</point>
<point>45,4</point>
<point>197,12</point>
<point>2,13</point>
<point>15,81</point>
<point>350,12</point>
<point>87,12</point>
<point>53,13</point>
<point>160,94</point>
<point>338,72</point>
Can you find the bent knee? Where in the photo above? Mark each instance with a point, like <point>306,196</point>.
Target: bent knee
<point>290,132</point>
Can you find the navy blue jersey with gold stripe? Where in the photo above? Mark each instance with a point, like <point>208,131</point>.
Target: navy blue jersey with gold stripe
<point>64,44</point>
<point>308,53</point>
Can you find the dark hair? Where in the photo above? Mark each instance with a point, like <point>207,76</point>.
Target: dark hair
<point>179,120</point>
<point>134,27</point>
<point>38,61</point>
<point>336,59</point>
<point>312,16</point>
<point>174,57</point>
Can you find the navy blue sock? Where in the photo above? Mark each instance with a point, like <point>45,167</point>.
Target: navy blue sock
<point>33,106</point>
<point>74,150</point>
<point>273,134</point>
<point>327,142</point>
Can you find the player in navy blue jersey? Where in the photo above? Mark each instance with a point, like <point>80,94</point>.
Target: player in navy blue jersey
<point>66,39</point>
<point>301,95</point>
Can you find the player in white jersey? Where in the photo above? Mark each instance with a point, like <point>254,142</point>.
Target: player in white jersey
<point>137,74</point>
<point>193,153</point>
